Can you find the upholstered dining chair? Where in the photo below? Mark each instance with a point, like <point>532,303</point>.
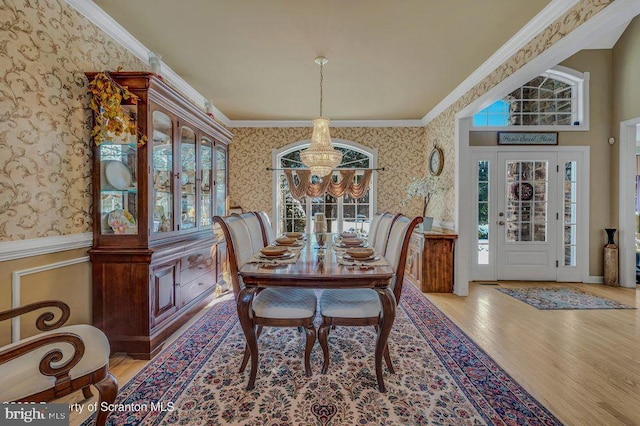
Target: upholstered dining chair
<point>271,307</point>
<point>361,307</point>
<point>266,225</point>
<point>256,230</point>
<point>382,232</point>
<point>57,362</point>
<point>373,228</point>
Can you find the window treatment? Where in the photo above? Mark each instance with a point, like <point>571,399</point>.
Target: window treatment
<point>346,185</point>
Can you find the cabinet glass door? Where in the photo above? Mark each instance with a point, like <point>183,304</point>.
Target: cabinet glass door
<point>206,166</point>
<point>221,181</point>
<point>187,178</point>
<point>118,204</point>
<point>162,163</point>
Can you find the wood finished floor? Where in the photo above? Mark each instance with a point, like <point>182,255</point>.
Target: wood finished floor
<point>584,366</point>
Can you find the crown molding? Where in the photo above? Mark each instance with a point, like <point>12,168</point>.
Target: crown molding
<point>11,250</point>
<point>106,23</point>
<point>542,20</point>
<point>333,123</point>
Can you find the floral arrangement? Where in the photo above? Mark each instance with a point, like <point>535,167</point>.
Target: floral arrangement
<point>424,187</point>
<point>106,102</point>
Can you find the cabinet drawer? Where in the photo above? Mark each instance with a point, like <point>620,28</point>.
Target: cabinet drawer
<point>195,288</point>
<point>195,264</point>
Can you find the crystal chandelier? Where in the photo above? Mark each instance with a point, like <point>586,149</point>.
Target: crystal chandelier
<point>321,158</point>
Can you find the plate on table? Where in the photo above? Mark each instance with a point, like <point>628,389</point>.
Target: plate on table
<point>287,255</point>
<point>122,222</point>
<point>371,258</point>
<point>118,174</point>
<point>342,245</point>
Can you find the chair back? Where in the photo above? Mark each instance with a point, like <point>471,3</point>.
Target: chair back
<point>373,227</point>
<point>239,246</point>
<point>397,247</point>
<point>382,233</point>
<point>255,230</point>
<point>269,234</point>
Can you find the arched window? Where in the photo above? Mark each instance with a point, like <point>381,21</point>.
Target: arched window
<point>343,213</point>
<point>556,98</point>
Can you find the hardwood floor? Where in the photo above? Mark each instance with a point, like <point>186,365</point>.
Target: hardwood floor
<point>584,366</point>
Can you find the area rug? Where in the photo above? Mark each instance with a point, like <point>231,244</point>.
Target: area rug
<point>442,378</point>
<point>561,298</point>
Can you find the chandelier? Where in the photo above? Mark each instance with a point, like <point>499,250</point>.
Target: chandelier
<point>321,158</point>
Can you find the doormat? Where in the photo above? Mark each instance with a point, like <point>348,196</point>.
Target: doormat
<point>561,298</point>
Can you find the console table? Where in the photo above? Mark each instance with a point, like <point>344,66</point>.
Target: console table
<point>430,260</point>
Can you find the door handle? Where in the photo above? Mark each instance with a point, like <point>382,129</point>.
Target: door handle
<point>501,222</point>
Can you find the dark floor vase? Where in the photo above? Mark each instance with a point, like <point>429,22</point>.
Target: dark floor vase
<point>611,259</point>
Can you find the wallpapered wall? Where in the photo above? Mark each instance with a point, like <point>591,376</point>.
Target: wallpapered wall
<point>401,151</point>
<point>45,168</point>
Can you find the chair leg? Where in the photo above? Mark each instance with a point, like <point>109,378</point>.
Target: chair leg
<point>86,392</point>
<point>107,390</point>
<point>247,355</point>
<point>323,334</point>
<point>311,340</point>
<point>387,357</point>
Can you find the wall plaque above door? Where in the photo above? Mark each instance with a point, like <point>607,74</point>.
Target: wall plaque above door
<point>527,138</point>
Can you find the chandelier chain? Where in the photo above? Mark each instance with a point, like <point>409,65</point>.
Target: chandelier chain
<point>321,79</point>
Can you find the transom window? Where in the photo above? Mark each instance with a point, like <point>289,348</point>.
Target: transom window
<point>554,98</point>
<point>343,213</point>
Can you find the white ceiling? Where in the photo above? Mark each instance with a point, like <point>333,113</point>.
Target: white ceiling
<point>388,59</point>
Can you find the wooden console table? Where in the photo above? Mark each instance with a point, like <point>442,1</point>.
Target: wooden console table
<point>430,260</point>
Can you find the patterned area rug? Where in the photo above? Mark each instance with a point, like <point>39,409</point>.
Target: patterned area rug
<point>561,298</point>
<point>442,378</point>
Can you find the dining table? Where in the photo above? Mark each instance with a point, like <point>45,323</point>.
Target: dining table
<point>318,268</point>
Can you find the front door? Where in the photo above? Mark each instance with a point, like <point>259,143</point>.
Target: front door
<point>527,215</point>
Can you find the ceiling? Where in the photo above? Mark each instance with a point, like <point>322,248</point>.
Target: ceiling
<point>388,59</point>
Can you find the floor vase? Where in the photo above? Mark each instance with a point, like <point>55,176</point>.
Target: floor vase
<point>611,259</point>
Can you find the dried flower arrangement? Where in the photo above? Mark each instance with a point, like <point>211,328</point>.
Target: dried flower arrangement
<point>110,117</point>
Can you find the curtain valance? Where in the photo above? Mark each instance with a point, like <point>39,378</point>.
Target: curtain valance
<point>346,185</point>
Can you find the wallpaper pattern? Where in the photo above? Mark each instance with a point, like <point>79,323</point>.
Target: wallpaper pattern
<point>400,151</point>
<point>45,167</point>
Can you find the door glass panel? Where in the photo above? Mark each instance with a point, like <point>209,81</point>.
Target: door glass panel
<point>221,181</point>
<point>187,178</point>
<point>570,219</point>
<point>206,176</point>
<point>483,212</point>
<point>527,201</point>
<point>162,163</point>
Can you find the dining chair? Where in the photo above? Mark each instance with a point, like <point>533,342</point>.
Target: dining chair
<point>267,227</point>
<point>271,307</point>
<point>382,232</point>
<point>375,222</point>
<point>362,307</point>
<point>256,230</point>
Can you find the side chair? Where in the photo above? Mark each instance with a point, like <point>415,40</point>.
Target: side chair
<point>56,362</point>
<point>382,232</point>
<point>267,227</point>
<point>271,307</point>
<point>361,307</point>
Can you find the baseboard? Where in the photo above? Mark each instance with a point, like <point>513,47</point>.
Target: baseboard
<point>12,250</point>
<point>594,280</point>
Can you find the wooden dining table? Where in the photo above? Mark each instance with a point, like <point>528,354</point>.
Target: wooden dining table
<point>317,268</point>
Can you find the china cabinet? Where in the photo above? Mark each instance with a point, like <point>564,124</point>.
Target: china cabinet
<point>156,259</point>
<point>430,260</point>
